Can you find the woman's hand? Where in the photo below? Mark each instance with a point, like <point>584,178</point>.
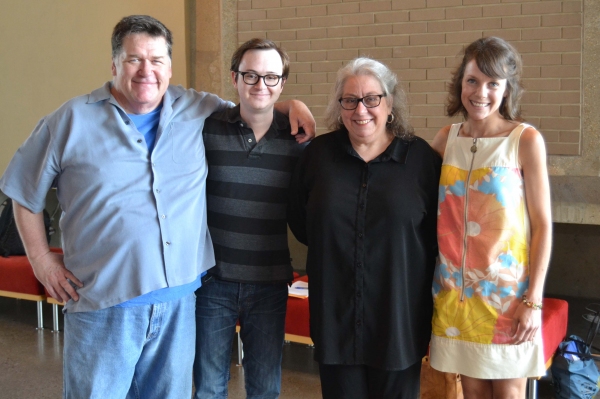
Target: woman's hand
<point>525,324</point>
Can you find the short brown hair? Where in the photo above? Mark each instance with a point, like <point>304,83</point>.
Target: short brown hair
<point>139,24</point>
<point>260,44</point>
<point>497,59</point>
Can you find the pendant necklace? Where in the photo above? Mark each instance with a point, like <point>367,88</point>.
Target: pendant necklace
<point>474,146</point>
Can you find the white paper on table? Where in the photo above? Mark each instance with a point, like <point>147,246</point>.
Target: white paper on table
<point>299,289</point>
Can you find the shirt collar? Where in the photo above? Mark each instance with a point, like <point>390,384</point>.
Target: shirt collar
<point>280,122</point>
<point>103,93</point>
<point>100,94</point>
<point>397,150</point>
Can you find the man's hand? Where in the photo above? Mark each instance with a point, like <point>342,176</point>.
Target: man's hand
<point>50,270</point>
<point>48,266</point>
<point>300,118</point>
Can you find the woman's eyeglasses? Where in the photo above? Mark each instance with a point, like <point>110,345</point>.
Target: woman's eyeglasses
<point>350,103</point>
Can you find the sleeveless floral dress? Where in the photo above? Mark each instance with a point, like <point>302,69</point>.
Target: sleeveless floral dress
<point>483,236</point>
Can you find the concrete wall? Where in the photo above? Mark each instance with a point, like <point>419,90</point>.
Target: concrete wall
<point>54,50</point>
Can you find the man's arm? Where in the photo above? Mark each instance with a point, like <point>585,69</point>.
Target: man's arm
<point>300,117</point>
<point>48,266</point>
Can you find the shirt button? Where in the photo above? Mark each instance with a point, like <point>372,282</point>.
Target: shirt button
<point>362,206</point>
<point>358,294</point>
<point>127,122</point>
<point>364,185</point>
<point>360,235</point>
<point>154,164</point>
<point>157,191</point>
<point>167,243</point>
<point>162,216</point>
<point>139,140</point>
<point>359,323</point>
<point>359,265</point>
<point>249,140</point>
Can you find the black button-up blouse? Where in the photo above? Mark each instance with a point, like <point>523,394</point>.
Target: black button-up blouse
<point>371,235</point>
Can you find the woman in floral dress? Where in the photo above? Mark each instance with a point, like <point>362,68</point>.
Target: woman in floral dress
<point>494,230</point>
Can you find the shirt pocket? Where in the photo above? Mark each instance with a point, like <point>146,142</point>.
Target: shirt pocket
<point>186,140</point>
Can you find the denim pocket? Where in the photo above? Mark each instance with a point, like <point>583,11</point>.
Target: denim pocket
<point>207,278</point>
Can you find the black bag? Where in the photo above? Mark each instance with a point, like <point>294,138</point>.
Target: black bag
<point>574,372</point>
<point>10,241</point>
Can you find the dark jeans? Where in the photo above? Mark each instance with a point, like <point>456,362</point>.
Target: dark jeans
<point>260,309</point>
<point>363,382</point>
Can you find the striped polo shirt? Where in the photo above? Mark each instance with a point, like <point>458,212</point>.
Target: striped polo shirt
<point>247,196</point>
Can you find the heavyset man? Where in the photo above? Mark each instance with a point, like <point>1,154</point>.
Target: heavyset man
<point>128,162</point>
<point>251,156</point>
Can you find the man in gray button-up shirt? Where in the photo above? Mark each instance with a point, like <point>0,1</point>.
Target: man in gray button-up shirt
<point>134,229</point>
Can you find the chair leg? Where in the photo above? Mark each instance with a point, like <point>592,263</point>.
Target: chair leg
<point>54,317</point>
<point>240,349</point>
<point>40,316</point>
<point>532,388</point>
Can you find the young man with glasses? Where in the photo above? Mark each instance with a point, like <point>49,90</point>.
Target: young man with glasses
<point>251,155</point>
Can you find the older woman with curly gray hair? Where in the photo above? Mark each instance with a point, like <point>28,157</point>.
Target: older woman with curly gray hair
<point>364,200</point>
<point>398,120</point>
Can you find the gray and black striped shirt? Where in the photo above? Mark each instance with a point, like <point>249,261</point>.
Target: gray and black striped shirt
<point>247,195</point>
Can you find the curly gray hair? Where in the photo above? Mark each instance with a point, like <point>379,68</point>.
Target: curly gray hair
<point>388,80</point>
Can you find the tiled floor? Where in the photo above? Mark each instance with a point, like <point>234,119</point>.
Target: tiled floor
<point>31,360</point>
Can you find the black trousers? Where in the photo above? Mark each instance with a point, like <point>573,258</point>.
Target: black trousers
<point>363,382</point>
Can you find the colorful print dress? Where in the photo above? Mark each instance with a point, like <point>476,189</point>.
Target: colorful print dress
<point>483,237</point>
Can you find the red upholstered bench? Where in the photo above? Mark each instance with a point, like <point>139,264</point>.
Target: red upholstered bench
<point>296,319</point>
<point>18,281</point>
<point>555,316</point>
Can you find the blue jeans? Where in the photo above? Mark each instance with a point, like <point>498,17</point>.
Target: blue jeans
<point>260,309</point>
<point>137,352</point>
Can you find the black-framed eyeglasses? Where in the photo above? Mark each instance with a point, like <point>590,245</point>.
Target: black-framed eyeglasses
<point>251,78</point>
<point>372,101</point>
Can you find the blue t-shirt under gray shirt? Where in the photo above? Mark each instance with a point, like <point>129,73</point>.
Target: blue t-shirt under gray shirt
<point>147,124</point>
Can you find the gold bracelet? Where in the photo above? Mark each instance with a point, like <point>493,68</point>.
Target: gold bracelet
<point>529,304</point>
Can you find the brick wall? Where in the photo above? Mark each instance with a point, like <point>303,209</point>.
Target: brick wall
<point>421,41</point>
